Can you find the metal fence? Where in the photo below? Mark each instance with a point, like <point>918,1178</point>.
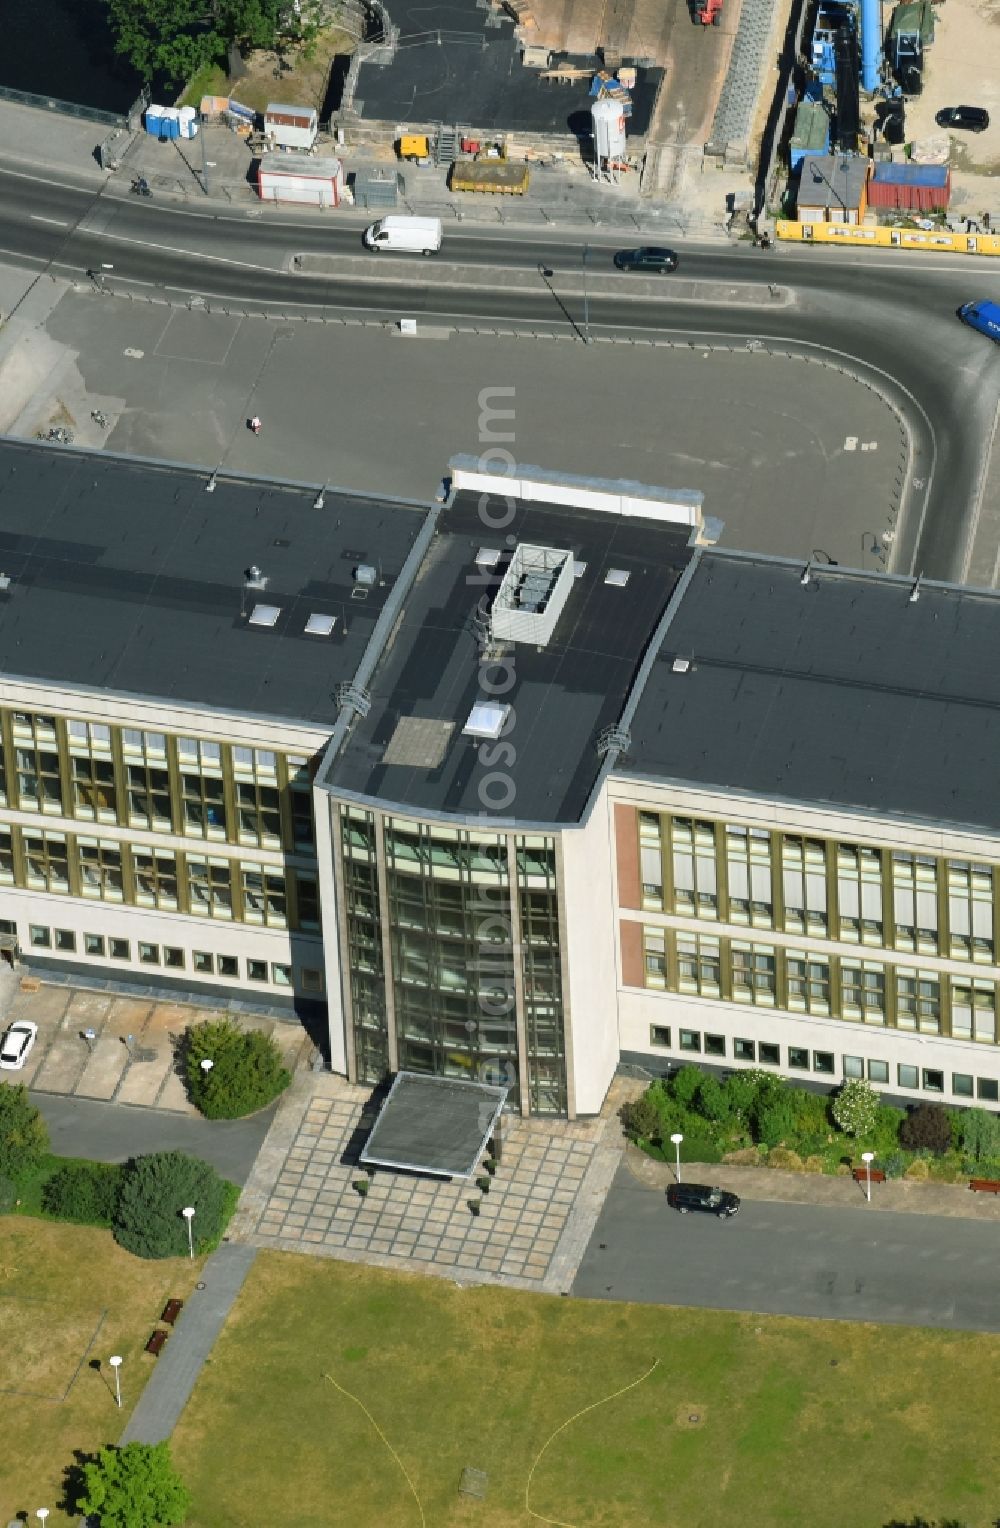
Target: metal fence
<point>74,109</point>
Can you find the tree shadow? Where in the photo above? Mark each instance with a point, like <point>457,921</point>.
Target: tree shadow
<point>73,1483</point>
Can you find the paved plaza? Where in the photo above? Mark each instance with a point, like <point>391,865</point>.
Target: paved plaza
<point>531,1228</point>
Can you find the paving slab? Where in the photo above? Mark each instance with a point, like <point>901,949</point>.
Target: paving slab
<point>63,1064</point>
<point>104,1069</point>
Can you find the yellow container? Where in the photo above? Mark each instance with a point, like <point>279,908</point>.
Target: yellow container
<point>413,146</point>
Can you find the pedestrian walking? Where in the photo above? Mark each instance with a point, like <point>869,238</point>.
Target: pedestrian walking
<point>255,424</point>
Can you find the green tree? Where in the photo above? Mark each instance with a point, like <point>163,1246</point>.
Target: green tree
<point>24,1140</point>
<point>246,1071</point>
<point>133,1487</point>
<point>640,1117</point>
<point>926,1126</point>
<point>855,1108</point>
<point>981,1135</point>
<point>685,1085</point>
<point>171,37</point>
<point>713,1101</point>
<point>250,23</point>
<point>153,1192</point>
<point>85,1192</point>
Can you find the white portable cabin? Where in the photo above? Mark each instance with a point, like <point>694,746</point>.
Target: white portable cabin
<point>291,127</point>
<point>313,182</point>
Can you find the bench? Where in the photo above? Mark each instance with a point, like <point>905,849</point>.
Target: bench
<point>985,1185</point>
<point>155,1343</point>
<point>860,1175</point>
<point>171,1311</point>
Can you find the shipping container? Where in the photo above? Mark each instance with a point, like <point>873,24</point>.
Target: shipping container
<point>312,182</point>
<point>490,175</point>
<point>291,127</point>
<point>910,187</point>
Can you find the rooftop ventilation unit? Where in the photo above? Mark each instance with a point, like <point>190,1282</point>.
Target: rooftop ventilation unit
<point>617,577</point>
<point>488,557</point>
<point>486,719</point>
<point>264,615</point>
<point>255,578</point>
<point>321,625</point>
<point>681,665</point>
<point>532,594</point>
<point>365,575</point>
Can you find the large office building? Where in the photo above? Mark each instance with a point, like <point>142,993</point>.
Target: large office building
<point>520,786</point>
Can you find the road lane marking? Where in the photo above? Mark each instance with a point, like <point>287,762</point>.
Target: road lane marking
<point>56,222</point>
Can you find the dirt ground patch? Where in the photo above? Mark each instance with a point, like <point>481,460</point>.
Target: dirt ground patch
<point>299,76</point>
<point>962,70</point>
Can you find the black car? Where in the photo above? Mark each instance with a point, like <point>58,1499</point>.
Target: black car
<point>647,257</point>
<point>973,119</point>
<point>698,1196</point>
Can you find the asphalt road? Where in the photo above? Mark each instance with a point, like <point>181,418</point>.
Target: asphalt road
<point>794,1260</point>
<point>891,317</point>
<point>81,1127</point>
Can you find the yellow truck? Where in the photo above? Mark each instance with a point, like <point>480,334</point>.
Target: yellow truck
<point>498,176</point>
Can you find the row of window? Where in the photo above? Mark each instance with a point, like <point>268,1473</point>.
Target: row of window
<point>698,868</point>
<point>764,1053</point>
<point>184,786</point>
<point>800,981</point>
<point>448,854</point>
<point>106,870</point>
<point>203,962</point>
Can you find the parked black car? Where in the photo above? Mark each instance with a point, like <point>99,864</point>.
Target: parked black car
<point>699,1196</point>
<point>973,119</point>
<point>646,258</point>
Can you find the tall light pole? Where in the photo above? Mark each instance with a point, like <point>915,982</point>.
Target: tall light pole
<point>116,1364</point>
<point>868,1158</point>
<point>42,1513</point>
<point>188,1213</point>
<point>677,1138</point>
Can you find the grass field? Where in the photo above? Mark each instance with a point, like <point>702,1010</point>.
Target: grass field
<point>69,1296</point>
<point>749,1421</point>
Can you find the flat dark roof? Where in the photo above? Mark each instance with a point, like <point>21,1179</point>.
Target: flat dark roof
<point>841,692</point>
<point>458,61</point>
<point>129,577</point>
<point>562,695</point>
<point>437,1125</point>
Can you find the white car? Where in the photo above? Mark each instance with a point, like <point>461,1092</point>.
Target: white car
<point>17,1043</point>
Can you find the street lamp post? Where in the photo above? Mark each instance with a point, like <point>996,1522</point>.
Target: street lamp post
<point>677,1138</point>
<point>41,1513</point>
<point>116,1364</point>
<point>868,1158</point>
<point>206,1064</point>
<point>188,1213</point>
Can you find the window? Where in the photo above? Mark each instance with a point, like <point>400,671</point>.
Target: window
<point>303,826</point>
<point>148,795</point>
<point>918,1001</point>
<point>155,878</point>
<point>651,860</point>
<point>699,964</point>
<point>690,1040</point>
<point>258,815</point>
<point>744,1050</point>
<point>654,958</point>
<point>202,962</point>
<point>257,970</point>
<point>970,911</point>
<point>859,894</point>
<point>748,868</point>
<point>255,761</point>
<point>228,965</point>
<point>39,787</point>
<point>149,954</point>
<point>961,1084</point>
<point>93,944</point>
<point>987,1089</point>
<point>973,1011</point>
<point>808,982</point>
<point>144,745</point>
<point>92,771</point>
<point>854,1066</point>
<point>263,895</point>
<point>803,869</point>
<point>210,891</point>
<point>933,1080</point>
<point>41,937</point>
<point>798,1058</point>
<point>312,981</point>
<point>862,991</point>
<point>203,805</point>
<point>205,755</point>
<point>100,862</point>
<point>281,976</point>
<point>46,861</point>
<point>768,1054</point>
<point>878,1071</point>
<point>914,900</point>
<point>715,1045</point>
<point>906,1076</point>
<point>307,900</point>
<point>65,940</point>
<point>6,856</point>
<point>659,1035</point>
<point>823,1062</point>
<point>173,957</point>
<point>753,970</point>
<point>120,949</point>
<point>695,880</point>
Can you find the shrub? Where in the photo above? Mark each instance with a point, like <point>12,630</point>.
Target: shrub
<point>774,1119</point>
<point>133,1487</point>
<point>24,1140</point>
<point>746,1156</point>
<point>84,1192</point>
<point>697,1148</point>
<point>740,1089</point>
<point>855,1108</point>
<point>980,1135</point>
<point>781,1157</point>
<point>246,1072</point>
<point>927,1125</point>
<point>686,1085</point>
<point>885,1133</point>
<point>640,1118</point>
<point>712,1101</point>
<point>8,1195</point>
<point>154,1190</point>
<point>894,1165</point>
<point>918,1170</point>
<point>812,1165</point>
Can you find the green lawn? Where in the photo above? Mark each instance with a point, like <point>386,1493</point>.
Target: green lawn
<point>746,1421</point>
<point>69,1295</point>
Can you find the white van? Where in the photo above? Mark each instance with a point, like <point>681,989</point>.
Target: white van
<point>416,235</point>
